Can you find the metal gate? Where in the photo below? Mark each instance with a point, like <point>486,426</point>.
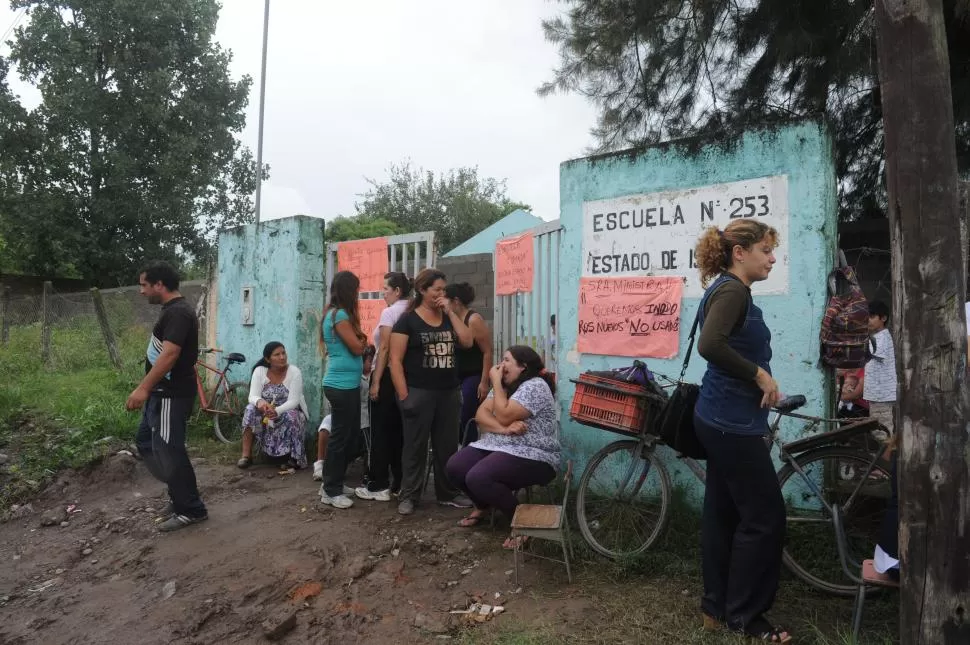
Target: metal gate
<point>525,318</point>
<point>408,253</point>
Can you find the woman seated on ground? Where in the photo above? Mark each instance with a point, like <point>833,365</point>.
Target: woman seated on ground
<point>277,412</point>
<point>519,446</point>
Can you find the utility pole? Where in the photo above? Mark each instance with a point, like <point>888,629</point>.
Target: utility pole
<point>929,291</point>
<point>262,111</point>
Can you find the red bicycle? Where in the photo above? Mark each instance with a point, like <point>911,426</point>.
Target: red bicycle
<point>226,401</point>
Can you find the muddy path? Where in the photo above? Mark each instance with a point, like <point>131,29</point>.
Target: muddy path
<point>270,562</point>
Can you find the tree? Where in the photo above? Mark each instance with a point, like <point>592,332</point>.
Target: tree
<point>660,69</point>
<point>929,288</point>
<point>135,154</point>
<point>342,229</point>
<point>456,205</point>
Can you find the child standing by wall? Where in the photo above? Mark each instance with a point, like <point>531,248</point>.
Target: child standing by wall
<point>880,375</point>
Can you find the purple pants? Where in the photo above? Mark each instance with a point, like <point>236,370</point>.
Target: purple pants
<point>490,478</point>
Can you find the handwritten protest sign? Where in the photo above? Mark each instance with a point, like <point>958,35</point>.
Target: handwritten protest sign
<point>630,316</point>
<point>367,259</point>
<point>514,265</point>
<point>370,315</point>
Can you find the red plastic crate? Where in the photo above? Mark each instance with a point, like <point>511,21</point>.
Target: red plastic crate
<point>606,408</point>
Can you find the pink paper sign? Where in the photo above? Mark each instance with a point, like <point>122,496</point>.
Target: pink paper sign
<point>370,315</point>
<point>514,265</point>
<point>630,316</point>
<point>367,259</point>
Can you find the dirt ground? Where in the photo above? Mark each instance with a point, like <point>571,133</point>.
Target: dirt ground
<point>269,551</point>
<point>84,564</point>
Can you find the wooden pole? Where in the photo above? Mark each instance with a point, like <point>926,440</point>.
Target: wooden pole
<point>929,291</point>
<point>45,323</point>
<point>5,315</point>
<point>109,337</point>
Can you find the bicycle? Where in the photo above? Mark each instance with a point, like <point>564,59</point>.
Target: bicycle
<point>622,510</point>
<point>226,402</point>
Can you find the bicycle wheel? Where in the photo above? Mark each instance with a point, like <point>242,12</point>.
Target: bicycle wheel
<point>842,476</point>
<point>623,500</point>
<point>228,407</point>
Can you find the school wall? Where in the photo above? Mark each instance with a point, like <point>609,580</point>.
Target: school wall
<point>477,271</point>
<point>799,155</point>
<point>283,262</point>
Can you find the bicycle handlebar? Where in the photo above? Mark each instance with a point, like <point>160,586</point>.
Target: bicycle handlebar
<point>208,350</point>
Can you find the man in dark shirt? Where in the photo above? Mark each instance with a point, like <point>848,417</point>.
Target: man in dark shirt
<point>167,394</point>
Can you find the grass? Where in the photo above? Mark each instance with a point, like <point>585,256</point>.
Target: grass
<point>70,412</point>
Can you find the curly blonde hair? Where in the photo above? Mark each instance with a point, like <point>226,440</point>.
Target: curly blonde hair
<point>713,251</point>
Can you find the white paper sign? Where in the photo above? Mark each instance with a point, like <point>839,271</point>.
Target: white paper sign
<point>655,234</point>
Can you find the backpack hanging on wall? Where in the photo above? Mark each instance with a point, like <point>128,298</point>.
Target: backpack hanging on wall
<point>845,328</point>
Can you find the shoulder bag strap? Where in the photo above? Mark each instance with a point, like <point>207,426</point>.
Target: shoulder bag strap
<point>690,342</point>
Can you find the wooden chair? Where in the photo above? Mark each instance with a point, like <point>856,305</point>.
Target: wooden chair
<point>863,574</point>
<point>544,522</point>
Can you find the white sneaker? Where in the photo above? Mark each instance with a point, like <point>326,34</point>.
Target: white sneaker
<point>318,471</point>
<point>375,495</point>
<point>340,501</point>
<point>349,491</point>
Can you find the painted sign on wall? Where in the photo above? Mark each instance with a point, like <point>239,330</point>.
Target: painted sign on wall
<point>655,233</point>
<point>370,314</point>
<point>630,316</point>
<point>367,259</point>
<point>514,265</point>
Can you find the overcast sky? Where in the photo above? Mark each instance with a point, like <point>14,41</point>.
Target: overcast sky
<point>355,86</point>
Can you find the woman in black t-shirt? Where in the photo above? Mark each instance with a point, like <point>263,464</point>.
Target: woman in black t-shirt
<point>425,376</point>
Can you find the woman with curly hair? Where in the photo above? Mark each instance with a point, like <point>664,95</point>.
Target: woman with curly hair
<point>743,528</point>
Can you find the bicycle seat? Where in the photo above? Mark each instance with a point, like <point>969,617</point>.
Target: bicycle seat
<point>791,403</point>
<point>235,358</point>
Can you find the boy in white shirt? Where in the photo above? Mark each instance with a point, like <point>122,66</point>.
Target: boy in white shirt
<point>880,374</point>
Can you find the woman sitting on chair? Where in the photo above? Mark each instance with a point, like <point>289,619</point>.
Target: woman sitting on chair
<point>519,446</point>
<point>277,412</point>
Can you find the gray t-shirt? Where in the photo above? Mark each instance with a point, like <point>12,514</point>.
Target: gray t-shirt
<point>539,442</point>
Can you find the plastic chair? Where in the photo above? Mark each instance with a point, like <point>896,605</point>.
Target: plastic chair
<point>544,522</point>
<point>864,574</point>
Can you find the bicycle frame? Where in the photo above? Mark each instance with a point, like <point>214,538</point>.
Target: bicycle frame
<point>223,382</point>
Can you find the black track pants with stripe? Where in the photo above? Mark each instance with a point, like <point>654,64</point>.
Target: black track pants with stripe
<point>161,443</point>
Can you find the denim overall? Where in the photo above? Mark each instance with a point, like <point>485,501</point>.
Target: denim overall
<point>726,402</point>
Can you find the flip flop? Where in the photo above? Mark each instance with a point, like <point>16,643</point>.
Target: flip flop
<point>470,521</point>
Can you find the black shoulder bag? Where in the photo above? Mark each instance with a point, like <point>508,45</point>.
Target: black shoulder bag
<point>676,423</point>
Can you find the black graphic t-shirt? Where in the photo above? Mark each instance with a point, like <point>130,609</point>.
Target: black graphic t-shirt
<point>179,325</point>
<point>429,362</point>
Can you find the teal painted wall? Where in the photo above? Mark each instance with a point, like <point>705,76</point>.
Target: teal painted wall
<point>802,152</point>
<point>283,260</point>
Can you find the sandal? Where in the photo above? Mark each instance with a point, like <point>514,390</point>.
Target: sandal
<point>472,519</point>
<point>760,629</point>
<point>510,542</point>
<point>712,624</point>
<point>245,462</point>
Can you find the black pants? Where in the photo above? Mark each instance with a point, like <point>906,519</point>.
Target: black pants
<point>434,414</point>
<point>386,439</point>
<point>743,527</point>
<point>344,437</point>
<point>161,443</point>
<point>889,529</point>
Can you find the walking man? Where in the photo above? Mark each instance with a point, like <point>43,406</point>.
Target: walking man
<point>167,394</point>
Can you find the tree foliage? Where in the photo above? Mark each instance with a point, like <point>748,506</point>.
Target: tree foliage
<point>342,229</point>
<point>455,205</point>
<point>661,69</point>
<point>132,153</point>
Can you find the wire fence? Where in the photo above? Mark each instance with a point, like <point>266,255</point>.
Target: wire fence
<point>68,332</point>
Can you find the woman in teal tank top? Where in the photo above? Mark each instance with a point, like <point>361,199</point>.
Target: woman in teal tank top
<point>345,344</point>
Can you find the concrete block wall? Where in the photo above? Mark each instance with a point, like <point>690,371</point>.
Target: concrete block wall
<point>477,271</point>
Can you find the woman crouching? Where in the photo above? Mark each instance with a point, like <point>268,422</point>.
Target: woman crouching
<point>519,444</point>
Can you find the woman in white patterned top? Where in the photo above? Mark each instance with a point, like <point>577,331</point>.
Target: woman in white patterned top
<point>519,444</point>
